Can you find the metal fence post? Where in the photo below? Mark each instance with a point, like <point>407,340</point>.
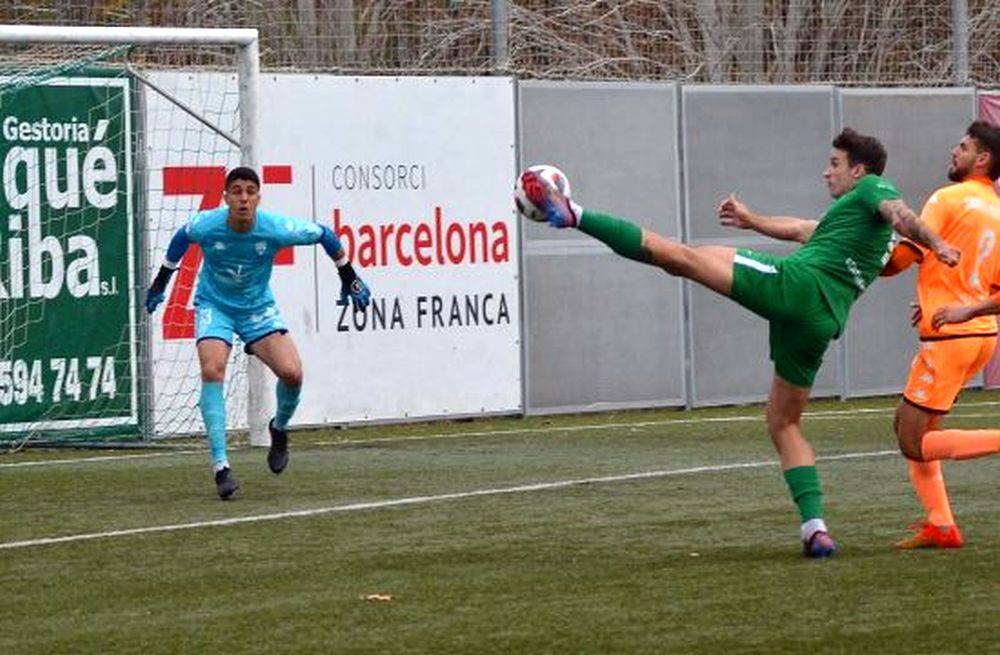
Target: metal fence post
<point>500,18</point>
<point>960,42</point>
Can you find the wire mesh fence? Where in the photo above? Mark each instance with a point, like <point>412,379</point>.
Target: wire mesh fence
<point>984,42</point>
<point>846,42</point>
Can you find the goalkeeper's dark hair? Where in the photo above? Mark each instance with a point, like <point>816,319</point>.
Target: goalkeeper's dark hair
<point>987,137</point>
<point>862,149</point>
<point>242,173</point>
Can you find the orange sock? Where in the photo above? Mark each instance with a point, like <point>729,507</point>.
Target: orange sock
<point>959,444</point>
<point>929,485</point>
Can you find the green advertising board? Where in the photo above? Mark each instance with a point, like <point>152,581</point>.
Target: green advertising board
<point>68,331</point>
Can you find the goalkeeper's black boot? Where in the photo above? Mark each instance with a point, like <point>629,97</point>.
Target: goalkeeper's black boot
<point>277,456</point>
<point>225,483</point>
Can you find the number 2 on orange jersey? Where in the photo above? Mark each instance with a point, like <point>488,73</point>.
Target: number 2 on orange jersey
<point>987,240</point>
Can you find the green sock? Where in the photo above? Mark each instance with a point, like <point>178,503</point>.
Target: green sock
<point>623,237</point>
<point>803,483</point>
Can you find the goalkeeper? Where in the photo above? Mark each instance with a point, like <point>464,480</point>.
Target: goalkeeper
<point>234,296</point>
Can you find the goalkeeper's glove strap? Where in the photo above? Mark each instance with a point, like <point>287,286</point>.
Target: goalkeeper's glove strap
<point>161,280</point>
<point>346,273</point>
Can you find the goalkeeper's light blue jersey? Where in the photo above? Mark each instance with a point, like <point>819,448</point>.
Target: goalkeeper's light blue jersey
<point>236,273</point>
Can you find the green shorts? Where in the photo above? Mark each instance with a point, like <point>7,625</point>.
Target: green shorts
<point>801,324</point>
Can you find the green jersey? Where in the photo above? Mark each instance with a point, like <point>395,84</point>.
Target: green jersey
<point>850,246</point>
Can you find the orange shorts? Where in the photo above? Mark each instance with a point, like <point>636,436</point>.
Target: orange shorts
<point>941,369</point>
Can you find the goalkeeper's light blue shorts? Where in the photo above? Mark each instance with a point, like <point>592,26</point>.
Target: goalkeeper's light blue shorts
<point>213,322</point>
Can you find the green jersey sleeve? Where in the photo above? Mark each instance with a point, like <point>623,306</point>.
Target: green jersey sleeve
<point>871,190</point>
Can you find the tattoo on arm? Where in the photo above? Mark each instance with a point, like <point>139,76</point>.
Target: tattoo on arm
<point>906,222</point>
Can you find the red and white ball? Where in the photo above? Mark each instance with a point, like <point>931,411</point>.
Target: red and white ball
<point>549,174</point>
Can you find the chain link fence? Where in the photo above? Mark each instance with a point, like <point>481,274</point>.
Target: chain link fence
<point>845,42</point>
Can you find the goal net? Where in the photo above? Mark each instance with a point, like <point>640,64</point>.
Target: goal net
<point>110,140</point>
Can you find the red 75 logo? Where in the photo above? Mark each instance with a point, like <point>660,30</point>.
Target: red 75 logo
<point>206,182</point>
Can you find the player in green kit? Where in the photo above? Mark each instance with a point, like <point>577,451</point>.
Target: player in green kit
<point>805,296</point>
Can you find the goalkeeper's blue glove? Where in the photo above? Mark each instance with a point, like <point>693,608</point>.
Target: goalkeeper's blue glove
<point>157,290</point>
<point>352,287</point>
<point>153,300</point>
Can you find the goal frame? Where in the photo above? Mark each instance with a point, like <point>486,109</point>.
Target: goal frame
<point>247,45</point>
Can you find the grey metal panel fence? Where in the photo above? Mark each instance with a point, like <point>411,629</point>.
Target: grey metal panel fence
<point>601,332</point>
<point>768,144</point>
<point>919,128</point>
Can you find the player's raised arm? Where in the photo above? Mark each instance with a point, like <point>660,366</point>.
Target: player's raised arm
<point>908,224</point>
<point>175,252</point>
<point>301,232</point>
<point>733,213</point>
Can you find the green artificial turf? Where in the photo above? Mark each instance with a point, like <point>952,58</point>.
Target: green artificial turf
<point>699,556</point>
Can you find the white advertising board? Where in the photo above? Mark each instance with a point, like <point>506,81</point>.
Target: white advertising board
<point>414,175</point>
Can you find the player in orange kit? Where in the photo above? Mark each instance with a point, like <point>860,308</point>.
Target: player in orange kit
<point>957,327</point>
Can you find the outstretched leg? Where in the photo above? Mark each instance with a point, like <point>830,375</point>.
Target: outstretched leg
<point>959,444</point>
<point>711,266</point>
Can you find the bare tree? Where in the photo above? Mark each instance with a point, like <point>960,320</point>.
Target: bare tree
<point>884,42</point>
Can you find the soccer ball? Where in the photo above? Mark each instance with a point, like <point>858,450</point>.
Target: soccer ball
<point>549,174</point>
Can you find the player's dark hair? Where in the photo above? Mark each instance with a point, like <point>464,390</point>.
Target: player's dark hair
<point>988,138</point>
<point>242,173</point>
<point>862,149</point>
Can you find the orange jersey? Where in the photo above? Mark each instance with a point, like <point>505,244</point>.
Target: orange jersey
<point>967,216</point>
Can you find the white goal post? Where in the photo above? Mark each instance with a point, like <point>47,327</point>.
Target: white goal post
<point>244,43</point>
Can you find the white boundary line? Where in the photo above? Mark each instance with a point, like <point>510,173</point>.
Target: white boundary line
<point>836,414</point>
<point>416,500</point>
<point>862,413</point>
<point>103,458</point>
